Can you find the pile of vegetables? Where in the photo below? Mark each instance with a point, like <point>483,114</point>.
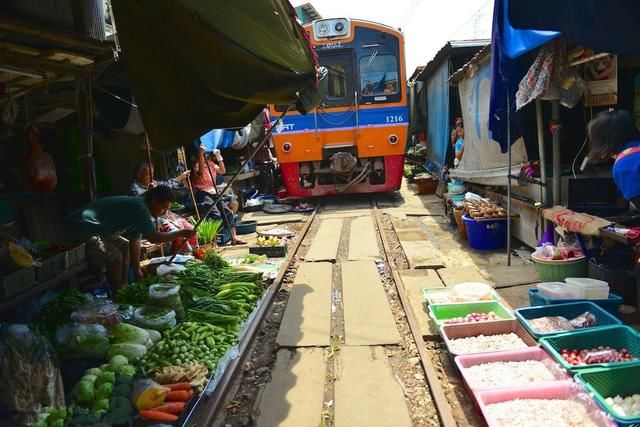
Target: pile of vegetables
<point>188,342</point>
<point>271,241</point>
<point>136,294</point>
<point>58,311</point>
<point>161,402</point>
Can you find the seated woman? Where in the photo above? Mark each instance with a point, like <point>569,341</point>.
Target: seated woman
<point>169,221</point>
<point>205,172</point>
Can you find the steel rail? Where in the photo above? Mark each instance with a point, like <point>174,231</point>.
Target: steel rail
<point>221,394</point>
<point>442,404</point>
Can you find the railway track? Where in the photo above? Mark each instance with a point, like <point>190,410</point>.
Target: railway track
<point>347,353</point>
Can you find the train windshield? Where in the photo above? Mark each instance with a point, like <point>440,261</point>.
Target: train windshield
<point>340,80</point>
<point>378,75</point>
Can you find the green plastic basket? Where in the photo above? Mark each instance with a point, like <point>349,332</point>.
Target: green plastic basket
<point>557,271</point>
<point>614,336</point>
<point>440,313</point>
<point>603,383</point>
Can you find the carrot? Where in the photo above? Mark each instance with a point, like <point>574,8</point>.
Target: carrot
<point>158,416</point>
<point>170,408</point>
<point>177,396</point>
<point>178,386</point>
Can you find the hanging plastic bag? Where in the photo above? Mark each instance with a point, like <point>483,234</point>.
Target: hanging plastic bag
<point>40,167</point>
<point>29,374</point>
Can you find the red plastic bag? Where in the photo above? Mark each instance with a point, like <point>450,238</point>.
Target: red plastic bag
<point>40,167</point>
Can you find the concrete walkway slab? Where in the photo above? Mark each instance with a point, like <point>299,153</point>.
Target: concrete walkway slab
<point>307,318</point>
<point>294,397</point>
<point>263,218</point>
<point>504,275</point>
<point>362,239</point>
<point>414,282</point>
<point>419,251</point>
<point>352,213</point>
<point>325,243</point>
<point>366,392</point>
<point>367,315</point>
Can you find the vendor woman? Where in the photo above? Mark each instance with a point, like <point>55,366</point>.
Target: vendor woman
<point>614,135</point>
<point>111,227</point>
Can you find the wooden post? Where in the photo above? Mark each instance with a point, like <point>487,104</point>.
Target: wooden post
<point>85,112</point>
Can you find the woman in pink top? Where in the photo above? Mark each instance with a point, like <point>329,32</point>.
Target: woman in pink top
<point>204,173</point>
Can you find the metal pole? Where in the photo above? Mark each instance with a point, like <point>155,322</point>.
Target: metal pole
<point>193,196</point>
<point>234,178</point>
<point>541,153</point>
<point>557,179</point>
<point>509,180</point>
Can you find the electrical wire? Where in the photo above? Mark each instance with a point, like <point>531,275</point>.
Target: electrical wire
<point>573,165</point>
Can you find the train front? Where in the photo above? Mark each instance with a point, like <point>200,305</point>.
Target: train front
<point>354,142</point>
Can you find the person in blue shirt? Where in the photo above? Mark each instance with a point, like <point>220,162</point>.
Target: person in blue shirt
<point>613,134</point>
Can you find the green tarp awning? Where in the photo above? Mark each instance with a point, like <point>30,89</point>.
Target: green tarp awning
<point>196,65</point>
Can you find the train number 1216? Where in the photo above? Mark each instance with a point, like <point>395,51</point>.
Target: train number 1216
<point>395,119</point>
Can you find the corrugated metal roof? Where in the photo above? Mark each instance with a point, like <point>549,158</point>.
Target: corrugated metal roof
<point>477,59</point>
<point>446,51</point>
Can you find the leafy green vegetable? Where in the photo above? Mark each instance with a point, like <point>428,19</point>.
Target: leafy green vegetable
<point>58,311</point>
<point>92,371</point>
<point>117,361</point>
<point>84,391</point>
<point>104,392</point>
<point>100,407</point>
<point>105,378</point>
<point>253,259</point>
<point>127,371</point>
<point>213,259</point>
<point>129,350</point>
<point>124,332</point>
<point>208,230</point>
<point>136,294</point>
<point>90,378</point>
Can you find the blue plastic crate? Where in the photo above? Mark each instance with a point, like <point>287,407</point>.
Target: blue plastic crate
<point>611,304</point>
<point>568,311</point>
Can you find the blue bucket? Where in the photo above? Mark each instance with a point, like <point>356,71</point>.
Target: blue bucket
<point>223,237</point>
<point>486,234</point>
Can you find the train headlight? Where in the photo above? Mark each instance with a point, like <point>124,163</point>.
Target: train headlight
<point>393,139</point>
<point>339,27</point>
<point>323,29</point>
<point>286,147</point>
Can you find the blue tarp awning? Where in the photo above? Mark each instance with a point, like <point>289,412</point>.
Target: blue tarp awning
<point>508,43</point>
<point>438,115</point>
<point>602,26</point>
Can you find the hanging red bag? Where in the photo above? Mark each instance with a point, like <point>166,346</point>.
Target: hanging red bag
<point>41,170</point>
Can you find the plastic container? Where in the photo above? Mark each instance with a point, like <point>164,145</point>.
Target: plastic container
<point>621,280</point>
<point>604,383</point>
<point>563,390</point>
<point>568,311</point>
<point>533,353</point>
<point>611,304</point>
<point>456,197</point>
<point>441,313</point>
<point>103,313</point>
<point>167,295</point>
<point>613,336</point>
<point>51,267</point>
<point>592,288</point>
<point>558,270</point>
<point>246,227</point>
<point>14,283</point>
<point>451,332</point>
<point>165,321</point>
<point>426,185</point>
<point>560,290</point>
<point>456,187</point>
<point>461,293</point>
<point>486,234</point>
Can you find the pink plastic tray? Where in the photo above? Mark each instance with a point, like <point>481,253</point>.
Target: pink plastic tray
<point>497,327</point>
<point>533,353</point>
<point>558,390</point>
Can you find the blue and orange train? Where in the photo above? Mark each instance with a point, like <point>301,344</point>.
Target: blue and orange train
<point>354,142</point>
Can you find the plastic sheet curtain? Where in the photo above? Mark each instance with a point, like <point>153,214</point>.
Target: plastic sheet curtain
<point>482,162</point>
<point>438,115</point>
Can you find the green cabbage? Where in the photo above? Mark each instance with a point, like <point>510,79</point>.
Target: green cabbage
<point>105,378</point>
<point>92,371</point>
<point>90,378</point>
<point>104,392</point>
<point>129,350</point>
<point>127,371</point>
<point>154,335</point>
<point>85,391</point>
<point>125,333</point>
<point>117,361</point>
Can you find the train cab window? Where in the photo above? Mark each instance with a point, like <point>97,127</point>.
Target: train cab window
<point>339,81</point>
<point>379,77</point>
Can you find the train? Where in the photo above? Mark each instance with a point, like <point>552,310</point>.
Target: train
<point>355,140</point>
